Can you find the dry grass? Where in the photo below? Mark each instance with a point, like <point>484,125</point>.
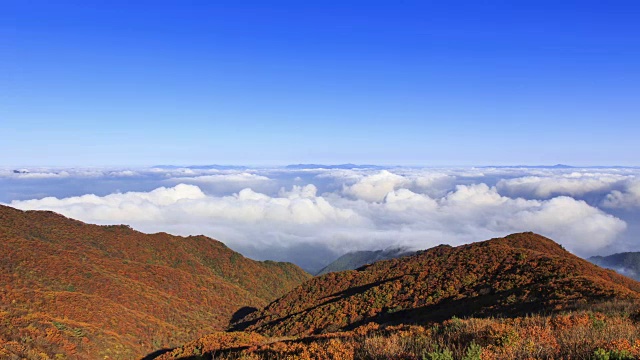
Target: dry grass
<point>583,334</point>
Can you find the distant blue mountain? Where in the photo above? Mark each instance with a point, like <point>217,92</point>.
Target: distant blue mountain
<point>202,167</point>
<point>339,166</point>
<point>356,259</point>
<point>627,263</point>
<point>557,166</point>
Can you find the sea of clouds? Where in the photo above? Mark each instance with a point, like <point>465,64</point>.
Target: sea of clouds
<point>311,216</point>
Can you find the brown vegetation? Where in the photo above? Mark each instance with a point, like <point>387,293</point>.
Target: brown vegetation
<point>580,334</point>
<point>73,290</point>
<point>88,291</point>
<point>509,277</point>
<point>518,297</point>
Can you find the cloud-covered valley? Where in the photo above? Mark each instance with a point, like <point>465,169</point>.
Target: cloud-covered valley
<point>310,216</point>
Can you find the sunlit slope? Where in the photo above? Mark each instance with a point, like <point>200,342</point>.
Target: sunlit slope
<point>87,291</point>
<point>512,276</point>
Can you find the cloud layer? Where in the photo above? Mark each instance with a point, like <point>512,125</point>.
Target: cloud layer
<point>573,184</point>
<point>627,198</point>
<point>307,216</point>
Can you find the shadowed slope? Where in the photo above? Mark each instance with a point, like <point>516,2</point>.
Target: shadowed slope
<point>512,276</point>
<point>91,291</point>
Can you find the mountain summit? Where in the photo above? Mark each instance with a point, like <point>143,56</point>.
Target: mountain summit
<point>512,276</point>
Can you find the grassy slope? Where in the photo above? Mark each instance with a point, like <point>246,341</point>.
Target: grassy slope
<point>512,276</point>
<point>574,335</point>
<point>520,297</point>
<point>90,291</point>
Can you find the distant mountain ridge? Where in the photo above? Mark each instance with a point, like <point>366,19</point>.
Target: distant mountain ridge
<point>202,167</point>
<point>339,166</point>
<point>556,166</point>
<point>356,259</point>
<point>89,291</point>
<point>627,263</point>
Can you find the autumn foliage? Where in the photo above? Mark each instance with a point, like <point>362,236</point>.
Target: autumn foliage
<point>69,290</point>
<point>85,291</point>
<point>513,276</point>
<point>580,334</point>
<point>518,297</point>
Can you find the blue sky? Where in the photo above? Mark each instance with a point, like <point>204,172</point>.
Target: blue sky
<point>397,82</point>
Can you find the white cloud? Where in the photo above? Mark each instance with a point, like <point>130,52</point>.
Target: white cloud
<point>227,183</point>
<point>580,227</point>
<point>432,180</point>
<point>572,184</point>
<point>375,187</point>
<point>40,175</point>
<point>117,208</point>
<point>244,178</point>
<point>473,196</point>
<point>275,213</point>
<point>123,173</point>
<point>381,210</point>
<point>188,210</point>
<point>629,198</point>
<point>404,199</point>
<point>471,211</point>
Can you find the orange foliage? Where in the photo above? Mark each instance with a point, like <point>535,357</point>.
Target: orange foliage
<point>516,275</point>
<point>532,337</point>
<point>88,291</point>
<point>525,296</point>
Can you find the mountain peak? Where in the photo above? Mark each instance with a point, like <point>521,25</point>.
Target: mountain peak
<point>530,241</point>
<point>511,276</point>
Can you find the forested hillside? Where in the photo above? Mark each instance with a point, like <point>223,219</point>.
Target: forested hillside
<point>88,291</point>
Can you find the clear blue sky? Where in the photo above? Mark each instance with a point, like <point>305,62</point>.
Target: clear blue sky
<point>272,82</point>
